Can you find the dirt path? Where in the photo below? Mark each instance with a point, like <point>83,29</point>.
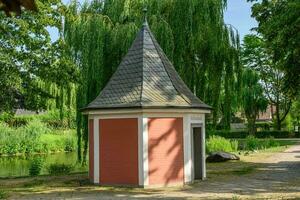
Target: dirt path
<point>276,177</point>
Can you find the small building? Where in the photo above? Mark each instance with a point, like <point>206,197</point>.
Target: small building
<point>146,128</point>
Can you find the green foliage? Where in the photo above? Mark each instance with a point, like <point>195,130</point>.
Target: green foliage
<point>264,126</point>
<point>252,143</point>
<point>256,56</point>
<point>51,118</point>
<point>217,143</point>
<point>278,23</point>
<point>59,169</point>
<point>54,120</point>
<point>36,166</point>
<point>35,137</point>
<point>33,70</point>
<point>253,99</point>
<point>3,194</point>
<point>227,133</point>
<point>274,133</point>
<point>244,134</point>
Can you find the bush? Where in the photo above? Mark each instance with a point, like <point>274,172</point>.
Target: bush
<point>228,133</point>
<point>3,194</point>
<point>35,137</point>
<point>270,142</point>
<point>59,169</point>
<point>16,121</point>
<point>264,125</point>
<point>244,134</point>
<point>53,119</point>
<point>35,167</point>
<point>274,133</point>
<point>252,143</point>
<point>217,143</point>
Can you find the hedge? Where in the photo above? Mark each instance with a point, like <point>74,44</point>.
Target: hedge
<point>244,134</point>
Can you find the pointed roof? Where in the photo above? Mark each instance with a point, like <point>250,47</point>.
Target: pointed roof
<point>146,79</point>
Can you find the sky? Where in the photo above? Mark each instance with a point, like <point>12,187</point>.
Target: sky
<point>238,14</point>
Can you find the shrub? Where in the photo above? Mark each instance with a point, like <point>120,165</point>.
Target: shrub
<point>35,137</point>
<point>217,143</point>
<point>270,142</point>
<point>70,144</point>
<point>3,194</point>
<point>244,134</point>
<point>264,125</point>
<point>252,143</point>
<point>59,169</point>
<point>274,133</point>
<point>16,121</point>
<point>36,128</point>
<point>35,167</point>
<point>228,133</point>
<point>53,119</point>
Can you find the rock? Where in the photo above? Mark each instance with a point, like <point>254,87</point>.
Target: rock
<point>221,157</point>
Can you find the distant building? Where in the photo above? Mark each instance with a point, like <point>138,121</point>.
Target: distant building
<point>267,115</point>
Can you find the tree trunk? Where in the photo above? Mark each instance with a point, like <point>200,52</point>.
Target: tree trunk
<point>251,126</point>
<point>278,121</point>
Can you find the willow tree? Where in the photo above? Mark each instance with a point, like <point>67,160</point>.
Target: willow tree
<point>203,49</point>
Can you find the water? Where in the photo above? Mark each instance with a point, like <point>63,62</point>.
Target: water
<point>14,166</point>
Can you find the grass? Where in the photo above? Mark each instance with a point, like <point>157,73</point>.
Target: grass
<point>244,170</point>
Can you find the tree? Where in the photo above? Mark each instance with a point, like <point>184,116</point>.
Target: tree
<point>279,24</point>
<point>258,57</point>
<point>253,99</point>
<point>295,114</point>
<point>15,6</point>
<point>31,66</point>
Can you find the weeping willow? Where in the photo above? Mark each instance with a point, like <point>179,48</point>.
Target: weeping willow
<point>203,49</point>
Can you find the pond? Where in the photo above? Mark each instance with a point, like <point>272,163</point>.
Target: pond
<point>13,166</point>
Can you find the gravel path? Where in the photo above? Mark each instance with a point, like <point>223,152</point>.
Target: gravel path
<point>277,177</point>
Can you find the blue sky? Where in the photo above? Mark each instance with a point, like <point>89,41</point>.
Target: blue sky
<point>238,14</point>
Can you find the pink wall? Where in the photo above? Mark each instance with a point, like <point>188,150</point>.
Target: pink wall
<point>119,151</point>
<point>165,150</point>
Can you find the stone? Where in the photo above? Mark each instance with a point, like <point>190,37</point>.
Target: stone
<point>221,156</point>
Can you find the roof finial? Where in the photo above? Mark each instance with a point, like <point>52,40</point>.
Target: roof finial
<point>145,15</point>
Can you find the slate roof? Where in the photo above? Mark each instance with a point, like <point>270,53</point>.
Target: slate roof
<point>146,79</point>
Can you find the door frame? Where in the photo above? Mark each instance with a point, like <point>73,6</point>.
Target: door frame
<point>198,125</point>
